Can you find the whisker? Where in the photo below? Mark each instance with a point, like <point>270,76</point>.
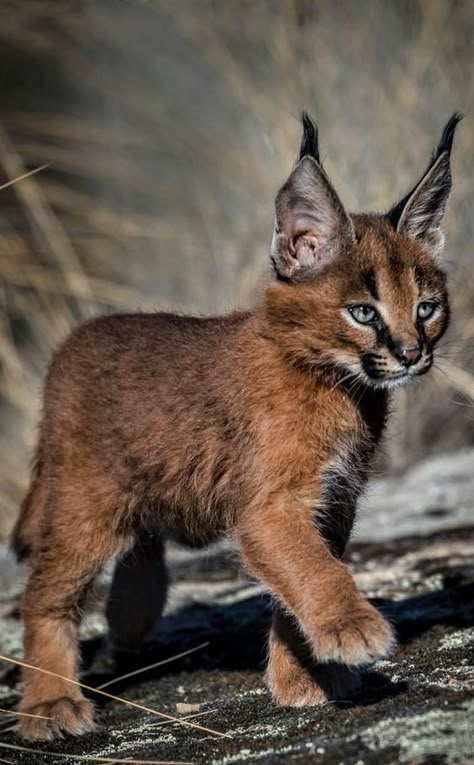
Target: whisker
<point>450,364</point>
<point>358,381</point>
<point>343,379</point>
<point>459,379</point>
<point>455,354</point>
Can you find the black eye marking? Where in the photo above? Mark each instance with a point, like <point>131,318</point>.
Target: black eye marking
<point>420,276</point>
<point>384,338</point>
<point>370,283</point>
<point>396,268</point>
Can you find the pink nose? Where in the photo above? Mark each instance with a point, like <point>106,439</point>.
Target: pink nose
<point>408,356</point>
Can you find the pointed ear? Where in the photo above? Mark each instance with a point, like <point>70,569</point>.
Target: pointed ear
<point>311,225</point>
<point>420,214</point>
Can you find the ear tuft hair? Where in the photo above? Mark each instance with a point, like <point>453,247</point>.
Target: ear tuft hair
<point>446,142</point>
<point>309,146</point>
<point>444,146</point>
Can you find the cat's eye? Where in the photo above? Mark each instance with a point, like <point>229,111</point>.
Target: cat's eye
<point>426,310</point>
<point>364,314</point>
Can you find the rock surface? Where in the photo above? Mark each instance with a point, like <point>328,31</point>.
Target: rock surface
<point>413,554</point>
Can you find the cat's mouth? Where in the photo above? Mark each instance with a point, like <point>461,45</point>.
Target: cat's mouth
<point>379,373</point>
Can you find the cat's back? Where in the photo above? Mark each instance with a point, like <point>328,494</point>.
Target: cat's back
<point>132,368</point>
<point>139,345</point>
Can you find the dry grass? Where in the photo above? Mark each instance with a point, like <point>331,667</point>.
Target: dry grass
<point>153,666</point>
<point>111,697</point>
<point>15,713</point>
<point>85,757</point>
<point>19,178</point>
<point>167,128</point>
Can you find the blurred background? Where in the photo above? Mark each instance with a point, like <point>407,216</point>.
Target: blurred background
<point>167,128</point>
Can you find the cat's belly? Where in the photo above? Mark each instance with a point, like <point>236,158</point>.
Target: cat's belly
<point>195,527</point>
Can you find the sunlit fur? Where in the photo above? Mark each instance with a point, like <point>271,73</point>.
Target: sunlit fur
<point>385,270</point>
<point>262,424</point>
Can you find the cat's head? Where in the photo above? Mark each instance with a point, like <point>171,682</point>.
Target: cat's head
<point>364,293</point>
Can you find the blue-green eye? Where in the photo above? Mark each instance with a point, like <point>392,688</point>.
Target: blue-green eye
<point>426,310</point>
<point>364,314</point>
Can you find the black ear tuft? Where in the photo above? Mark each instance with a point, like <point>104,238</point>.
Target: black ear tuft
<point>310,141</point>
<point>444,147</point>
<point>446,142</point>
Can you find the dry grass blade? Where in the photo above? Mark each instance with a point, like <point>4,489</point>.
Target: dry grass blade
<point>90,757</point>
<point>48,283</point>
<point>153,666</point>
<point>20,177</point>
<point>44,223</point>
<point>23,714</point>
<point>9,729</point>
<point>188,717</point>
<point>127,702</point>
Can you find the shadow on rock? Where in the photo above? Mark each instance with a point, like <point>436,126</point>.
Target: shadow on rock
<point>452,606</point>
<point>236,634</point>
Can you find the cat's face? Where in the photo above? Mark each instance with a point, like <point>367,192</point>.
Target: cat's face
<point>361,293</point>
<point>375,314</point>
<point>390,307</point>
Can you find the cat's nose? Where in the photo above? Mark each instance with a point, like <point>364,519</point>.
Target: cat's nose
<point>407,355</point>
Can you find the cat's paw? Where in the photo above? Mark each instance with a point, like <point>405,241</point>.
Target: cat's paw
<point>293,686</point>
<point>359,635</point>
<point>296,682</point>
<point>65,715</point>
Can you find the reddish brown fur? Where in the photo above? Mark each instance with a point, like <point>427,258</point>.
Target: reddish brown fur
<point>158,425</point>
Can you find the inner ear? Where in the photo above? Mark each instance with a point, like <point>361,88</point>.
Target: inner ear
<point>312,226</point>
<point>306,248</point>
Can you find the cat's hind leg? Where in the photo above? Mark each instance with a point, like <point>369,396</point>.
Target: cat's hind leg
<point>138,592</point>
<point>71,554</point>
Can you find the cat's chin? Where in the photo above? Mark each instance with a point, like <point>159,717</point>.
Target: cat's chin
<point>391,382</point>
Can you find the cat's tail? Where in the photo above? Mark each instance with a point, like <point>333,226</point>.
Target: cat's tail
<point>26,532</point>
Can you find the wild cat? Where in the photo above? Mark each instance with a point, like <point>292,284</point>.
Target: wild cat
<point>261,424</point>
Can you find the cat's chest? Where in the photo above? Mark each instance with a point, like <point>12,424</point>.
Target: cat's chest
<point>344,478</point>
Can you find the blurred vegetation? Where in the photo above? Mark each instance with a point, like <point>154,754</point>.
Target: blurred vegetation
<point>168,127</point>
